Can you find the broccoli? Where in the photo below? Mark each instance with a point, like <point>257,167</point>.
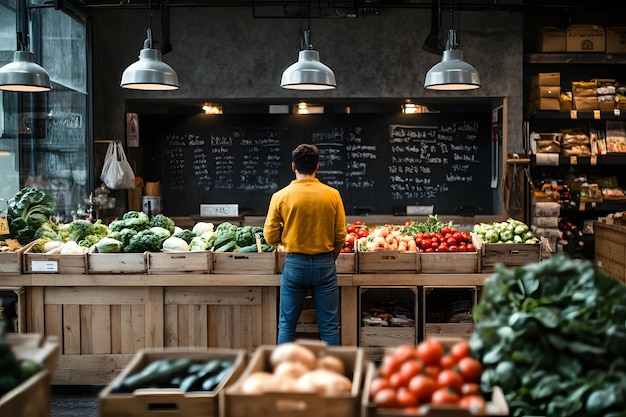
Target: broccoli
<point>89,241</point>
<point>185,235</point>
<point>161,220</point>
<point>47,230</point>
<point>146,240</point>
<point>64,232</point>
<point>117,225</point>
<point>79,229</point>
<point>35,220</point>
<point>137,220</point>
<point>246,235</point>
<point>123,235</point>
<point>226,227</point>
<point>100,229</point>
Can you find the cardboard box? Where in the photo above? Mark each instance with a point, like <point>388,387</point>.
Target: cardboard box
<point>585,103</point>
<point>544,91</point>
<point>170,401</point>
<point>545,104</point>
<point>585,38</point>
<point>616,40</point>
<point>551,39</point>
<point>179,262</point>
<point>552,79</point>
<point>284,404</point>
<point>565,105</point>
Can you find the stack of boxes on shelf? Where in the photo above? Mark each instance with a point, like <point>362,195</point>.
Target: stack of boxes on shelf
<point>545,221</point>
<point>545,91</point>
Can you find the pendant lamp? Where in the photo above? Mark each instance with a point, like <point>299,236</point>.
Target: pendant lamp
<point>452,73</point>
<point>308,73</point>
<point>149,73</point>
<point>23,74</point>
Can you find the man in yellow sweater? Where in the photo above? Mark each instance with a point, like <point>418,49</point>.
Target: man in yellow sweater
<point>309,220</point>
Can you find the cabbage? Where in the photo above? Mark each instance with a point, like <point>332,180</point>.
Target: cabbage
<point>202,227</point>
<point>175,243</point>
<point>198,243</point>
<point>109,245</point>
<point>161,232</point>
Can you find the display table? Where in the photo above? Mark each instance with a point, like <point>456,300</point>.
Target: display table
<point>102,320</point>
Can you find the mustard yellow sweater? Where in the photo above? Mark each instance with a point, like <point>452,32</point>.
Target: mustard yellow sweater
<point>307,217</point>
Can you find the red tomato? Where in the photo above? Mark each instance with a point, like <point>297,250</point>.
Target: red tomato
<point>430,351</point>
<point>470,369</point>
<point>397,380</point>
<point>362,232</point>
<point>460,350</point>
<point>429,250</point>
<point>466,236</point>
<point>351,238</point>
<point>433,245</point>
<point>447,362</point>
<point>386,398</point>
<point>406,398</point>
<point>444,396</point>
<point>405,352</point>
<point>425,243</point>
<point>453,230</point>
<point>358,223</point>
<point>350,229</point>
<point>422,387</point>
<point>453,248</point>
<point>409,369</point>
<point>449,378</point>
<point>475,403</point>
<point>432,371</point>
<point>390,365</point>
<point>450,241</point>
<point>470,388</point>
<point>378,384</point>
<point>470,248</point>
<point>445,230</point>
<point>442,247</point>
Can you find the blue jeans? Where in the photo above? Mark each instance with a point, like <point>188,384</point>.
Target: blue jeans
<point>318,274</point>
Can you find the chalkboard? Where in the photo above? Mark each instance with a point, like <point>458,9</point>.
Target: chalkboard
<point>379,162</point>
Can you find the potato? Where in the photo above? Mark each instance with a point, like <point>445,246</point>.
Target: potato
<point>292,352</point>
<point>332,363</point>
<point>257,383</point>
<point>292,370</point>
<point>324,381</point>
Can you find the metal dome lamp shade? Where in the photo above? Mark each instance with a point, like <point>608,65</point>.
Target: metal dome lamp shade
<point>23,74</point>
<point>308,73</point>
<point>452,73</point>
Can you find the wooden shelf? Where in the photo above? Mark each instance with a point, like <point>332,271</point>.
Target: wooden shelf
<point>575,58</point>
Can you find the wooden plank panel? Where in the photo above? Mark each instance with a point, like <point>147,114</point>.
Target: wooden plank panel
<point>71,329</point>
<point>154,317</point>
<point>183,328</point>
<point>138,326</point>
<point>238,322</point>
<point>116,329</point>
<point>349,316</point>
<point>214,295</point>
<point>171,325</point>
<point>269,315</point>
<point>86,346</point>
<point>36,320</point>
<point>254,314</point>
<point>197,325</point>
<point>126,333</point>
<point>95,295</point>
<point>89,369</point>
<point>54,321</point>
<point>101,329</point>
<point>212,331</point>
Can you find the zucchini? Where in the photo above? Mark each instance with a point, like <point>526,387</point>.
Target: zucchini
<point>161,375</point>
<point>228,247</point>
<point>248,248</point>
<point>224,238</point>
<point>211,383</point>
<point>211,368</point>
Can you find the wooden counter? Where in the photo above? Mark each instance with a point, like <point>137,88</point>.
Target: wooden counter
<point>102,320</point>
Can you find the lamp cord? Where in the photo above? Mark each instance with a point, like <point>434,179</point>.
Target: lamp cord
<point>22,26</point>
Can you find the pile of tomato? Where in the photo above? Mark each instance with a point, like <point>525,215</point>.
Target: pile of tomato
<point>449,239</point>
<point>354,231</point>
<point>412,377</point>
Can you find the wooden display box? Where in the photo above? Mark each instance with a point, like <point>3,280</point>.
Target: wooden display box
<point>179,262</point>
<point>447,311</point>
<point>32,397</point>
<point>610,249</point>
<point>11,262</point>
<point>387,261</point>
<point>497,407</point>
<point>41,263</point>
<point>509,254</point>
<point>375,339</point>
<point>282,404</point>
<point>346,262</point>
<point>115,263</point>
<point>251,263</point>
<point>449,262</point>
<point>172,402</point>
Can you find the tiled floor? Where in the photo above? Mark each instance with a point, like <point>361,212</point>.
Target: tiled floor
<point>75,401</point>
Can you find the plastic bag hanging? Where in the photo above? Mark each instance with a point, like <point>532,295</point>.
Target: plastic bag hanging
<point>117,173</point>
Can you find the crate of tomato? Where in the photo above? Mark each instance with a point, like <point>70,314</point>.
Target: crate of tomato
<point>448,250</point>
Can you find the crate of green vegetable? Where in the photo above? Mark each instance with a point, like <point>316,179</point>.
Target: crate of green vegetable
<point>179,382</point>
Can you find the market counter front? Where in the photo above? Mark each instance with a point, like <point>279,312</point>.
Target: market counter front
<point>102,320</point>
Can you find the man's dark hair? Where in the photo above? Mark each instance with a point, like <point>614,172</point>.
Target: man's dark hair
<point>305,157</point>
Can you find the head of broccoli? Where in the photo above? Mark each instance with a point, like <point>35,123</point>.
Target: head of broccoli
<point>144,241</point>
<point>161,220</point>
<point>79,229</point>
<point>137,220</point>
<point>185,235</point>
<point>123,235</point>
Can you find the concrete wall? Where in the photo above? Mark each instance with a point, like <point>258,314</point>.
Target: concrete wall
<point>226,53</point>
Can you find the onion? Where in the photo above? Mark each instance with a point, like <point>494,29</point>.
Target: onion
<point>293,370</point>
<point>332,363</point>
<point>324,381</point>
<point>257,382</point>
<point>292,352</point>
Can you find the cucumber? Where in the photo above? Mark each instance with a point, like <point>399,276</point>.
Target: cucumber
<point>211,368</point>
<point>161,375</point>
<point>211,383</point>
<point>188,382</point>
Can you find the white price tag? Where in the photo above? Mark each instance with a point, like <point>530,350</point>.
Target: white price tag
<point>45,266</point>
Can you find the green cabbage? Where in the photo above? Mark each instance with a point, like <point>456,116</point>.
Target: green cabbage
<point>109,245</point>
<point>175,243</point>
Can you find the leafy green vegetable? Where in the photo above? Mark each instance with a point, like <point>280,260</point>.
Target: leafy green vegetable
<point>185,235</point>
<point>510,231</point>
<point>175,243</point>
<point>161,220</point>
<point>123,235</point>
<point>201,227</point>
<point>552,335</point>
<point>225,227</point>
<point>26,203</point>
<point>109,245</point>
<point>144,241</point>
<point>246,235</point>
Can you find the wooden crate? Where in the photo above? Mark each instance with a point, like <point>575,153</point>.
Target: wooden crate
<point>498,406</point>
<point>449,262</point>
<point>374,339</point>
<point>509,254</point>
<point>281,404</point>
<point>610,249</point>
<point>447,311</point>
<point>261,263</point>
<point>41,263</point>
<point>32,397</point>
<point>387,261</point>
<point>11,262</point>
<point>179,262</point>
<point>115,263</point>
<point>172,402</point>
<point>14,314</point>
<point>346,262</point>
